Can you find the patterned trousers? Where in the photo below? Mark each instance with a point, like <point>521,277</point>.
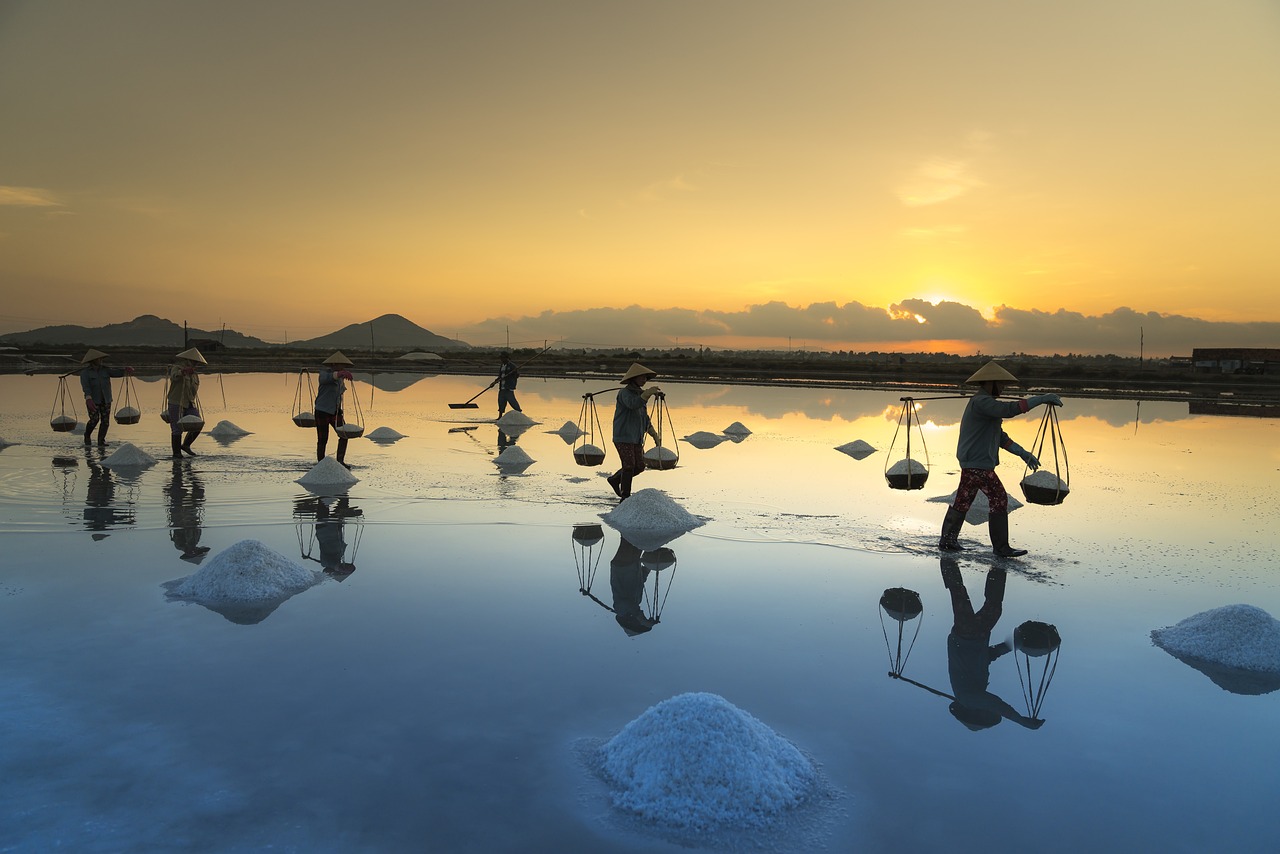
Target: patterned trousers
<point>985,480</point>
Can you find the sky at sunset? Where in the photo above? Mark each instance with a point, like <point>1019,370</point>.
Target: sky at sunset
<point>992,175</point>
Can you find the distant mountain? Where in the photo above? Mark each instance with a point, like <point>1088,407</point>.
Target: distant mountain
<point>145,331</point>
<point>389,332</point>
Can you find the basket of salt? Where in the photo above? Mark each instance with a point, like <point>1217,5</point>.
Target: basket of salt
<point>907,474</point>
<point>901,604</point>
<point>351,431</point>
<point>1036,639</point>
<point>1044,487</point>
<point>588,455</point>
<point>302,416</point>
<point>305,419</point>
<point>62,423</point>
<point>191,423</point>
<point>128,415</point>
<point>660,458</point>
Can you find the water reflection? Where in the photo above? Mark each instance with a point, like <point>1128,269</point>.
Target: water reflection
<point>101,513</point>
<point>637,604</point>
<point>184,505</point>
<point>323,537</point>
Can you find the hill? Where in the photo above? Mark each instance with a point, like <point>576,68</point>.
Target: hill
<point>144,331</point>
<point>389,332</point>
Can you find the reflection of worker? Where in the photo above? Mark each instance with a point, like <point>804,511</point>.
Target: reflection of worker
<point>626,578</point>
<point>95,382</point>
<point>630,424</point>
<point>328,406</point>
<point>508,376</point>
<point>185,494</point>
<point>184,386</point>
<point>331,540</point>
<point>504,441</point>
<point>978,452</point>
<point>970,653</point>
<point>100,513</point>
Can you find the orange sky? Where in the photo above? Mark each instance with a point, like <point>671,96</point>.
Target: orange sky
<point>290,167</point>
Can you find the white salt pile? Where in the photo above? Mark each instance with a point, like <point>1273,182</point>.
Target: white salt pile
<point>907,466</point>
<point>513,456</point>
<point>384,434</point>
<point>1237,636</point>
<point>328,472</point>
<point>588,451</point>
<point>649,519</point>
<point>353,431</point>
<point>736,429</point>
<point>515,419</point>
<point>568,429</point>
<point>1045,480</point>
<point>128,412</point>
<point>858,449</point>
<point>664,455</point>
<point>697,762</point>
<point>703,440</point>
<point>980,510</point>
<point>128,455</point>
<point>226,428</point>
<point>248,571</point>
<point>191,421</point>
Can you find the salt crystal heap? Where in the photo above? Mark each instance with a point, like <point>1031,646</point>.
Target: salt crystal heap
<point>1237,636</point>
<point>858,449</point>
<point>513,457</point>
<point>245,582</point>
<point>328,473</point>
<point>736,429</point>
<point>384,434</point>
<point>128,455</point>
<point>661,456</point>
<point>568,431</point>
<point>698,763</point>
<point>515,419</point>
<point>907,466</point>
<point>649,519</point>
<point>703,440</point>
<point>226,428</point>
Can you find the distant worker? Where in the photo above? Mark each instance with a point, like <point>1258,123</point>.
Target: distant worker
<point>329,405</point>
<point>978,452</point>
<point>630,424</point>
<point>95,381</point>
<point>508,375</point>
<point>184,387</point>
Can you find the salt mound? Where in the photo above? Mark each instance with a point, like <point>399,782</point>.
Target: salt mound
<point>128,412</point>
<point>129,455</point>
<point>328,472</point>
<point>737,429</point>
<point>649,519</point>
<point>697,762</point>
<point>662,454</point>
<point>980,510</point>
<point>907,466</point>
<point>515,419</point>
<point>703,440</point>
<point>569,429</point>
<point>858,449</point>
<point>1237,636</point>
<point>514,455</point>
<point>588,451</point>
<point>384,434</point>
<point>226,428</point>
<point>247,572</point>
<point>1045,480</point>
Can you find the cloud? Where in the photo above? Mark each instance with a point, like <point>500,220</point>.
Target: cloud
<point>28,197</point>
<point>908,325</point>
<point>937,180</point>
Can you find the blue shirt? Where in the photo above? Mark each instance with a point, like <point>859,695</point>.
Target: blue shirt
<point>630,420</point>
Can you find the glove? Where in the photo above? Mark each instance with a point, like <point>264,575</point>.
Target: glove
<point>346,375</point>
<point>653,434</point>
<point>1030,459</point>
<point>1051,399</point>
<point>128,372</point>
<point>650,392</point>
<point>88,404</point>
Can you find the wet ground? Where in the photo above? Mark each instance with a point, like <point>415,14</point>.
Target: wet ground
<point>435,690</point>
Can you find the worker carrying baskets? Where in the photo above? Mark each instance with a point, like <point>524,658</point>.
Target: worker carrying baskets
<point>182,402</point>
<point>630,424</point>
<point>328,407</point>
<point>978,452</point>
<point>95,382</point>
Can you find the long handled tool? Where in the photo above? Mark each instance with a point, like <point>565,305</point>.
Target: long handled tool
<point>470,404</point>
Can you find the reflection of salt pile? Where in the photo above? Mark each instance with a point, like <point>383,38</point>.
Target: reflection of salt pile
<point>128,455</point>
<point>697,762</point>
<point>649,519</point>
<point>858,449</point>
<point>515,419</point>
<point>245,582</point>
<point>703,440</point>
<point>328,472</point>
<point>226,428</point>
<point>384,434</point>
<point>1237,636</point>
<point>737,429</point>
<point>513,456</point>
<point>980,510</point>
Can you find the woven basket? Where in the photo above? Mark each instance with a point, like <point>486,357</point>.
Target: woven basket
<point>588,458</point>
<point>1043,495</point>
<point>351,431</point>
<point>63,424</point>
<point>305,419</point>
<point>907,481</point>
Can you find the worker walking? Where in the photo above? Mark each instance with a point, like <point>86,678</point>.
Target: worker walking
<point>630,424</point>
<point>508,376</point>
<point>95,382</point>
<point>184,386</point>
<point>328,406</point>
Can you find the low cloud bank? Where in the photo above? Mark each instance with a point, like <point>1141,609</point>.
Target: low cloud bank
<point>912,324</point>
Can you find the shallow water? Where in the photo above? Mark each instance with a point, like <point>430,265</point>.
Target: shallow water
<point>435,697</point>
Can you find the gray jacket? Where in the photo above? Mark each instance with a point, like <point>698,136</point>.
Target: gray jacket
<point>981,434</point>
<point>329,398</point>
<point>630,419</point>
<point>96,383</point>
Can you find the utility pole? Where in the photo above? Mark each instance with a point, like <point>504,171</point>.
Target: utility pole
<point>184,335</point>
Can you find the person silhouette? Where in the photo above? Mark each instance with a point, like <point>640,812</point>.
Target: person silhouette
<point>330,520</point>
<point>185,494</point>
<point>627,576</point>
<point>970,652</point>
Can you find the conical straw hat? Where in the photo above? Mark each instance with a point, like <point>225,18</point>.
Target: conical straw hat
<point>637,370</point>
<point>337,359</point>
<point>93,354</point>
<point>992,372</point>
<point>194,355</point>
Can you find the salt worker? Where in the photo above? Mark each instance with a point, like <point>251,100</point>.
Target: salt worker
<point>630,424</point>
<point>328,406</point>
<point>978,452</point>
<point>184,387</point>
<point>95,382</point>
<point>508,375</point>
